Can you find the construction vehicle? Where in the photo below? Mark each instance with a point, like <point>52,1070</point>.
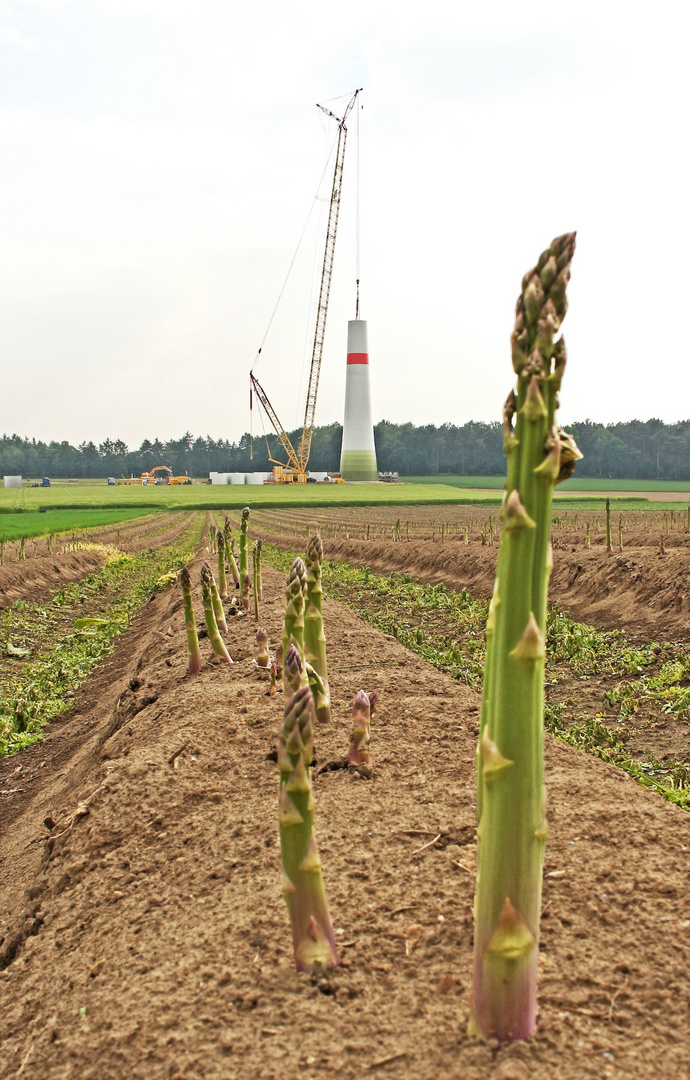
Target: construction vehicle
<point>153,477</point>
<point>294,470</point>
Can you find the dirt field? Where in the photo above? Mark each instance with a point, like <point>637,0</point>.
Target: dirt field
<point>636,589</point>
<point>44,570</point>
<point>143,934</point>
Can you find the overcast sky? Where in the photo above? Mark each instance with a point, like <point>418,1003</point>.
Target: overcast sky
<point>160,159</point>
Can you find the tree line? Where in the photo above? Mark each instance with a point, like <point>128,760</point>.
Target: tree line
<point>632,450</point>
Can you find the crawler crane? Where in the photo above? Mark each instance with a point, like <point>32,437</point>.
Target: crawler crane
<point>294,470</point>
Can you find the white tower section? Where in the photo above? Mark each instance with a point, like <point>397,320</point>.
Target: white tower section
<point>358,454</point>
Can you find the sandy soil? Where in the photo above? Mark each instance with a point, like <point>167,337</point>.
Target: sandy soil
<point>142,930</point>
<point>637,589</point>
<point>44,571</point>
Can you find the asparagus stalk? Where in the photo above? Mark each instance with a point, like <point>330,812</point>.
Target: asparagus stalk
<point>262,656</point>
<point>222,581</point>
<point>217,643</point>
<point>255,577</point>
<point>293,625</point>
<point>244,595</point>
<point>244,544</point>
<point>292,670</point>
<point>314,637</point>
<point>274,679</point>
<point>358,754</point>
<point>303,889</point>
<point>511,833</point>
<point>218,606</point>
<point>190,623</point>
<point>608,524</point>
<point>257,550</point>
<point>233,562</point>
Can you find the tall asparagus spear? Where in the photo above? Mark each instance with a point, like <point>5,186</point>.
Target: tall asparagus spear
<point>233,563</point>
<point>217,643</point>
<point>314,637</point>
<point>510,800</point>
<point>244,544</point>
<point>303,889</point>
<point>293,626</point>
<point>222,582</point>
<point>218,606</point>
<point>257,554</point>
<point>190,623</point>
<point>256,557</point>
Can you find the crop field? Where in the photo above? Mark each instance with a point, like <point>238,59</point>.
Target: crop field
<point>576,483</point>
<point>14,525</point>
<point>142,928</point>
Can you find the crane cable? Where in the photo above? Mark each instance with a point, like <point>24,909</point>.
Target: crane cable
<point>292,262</point>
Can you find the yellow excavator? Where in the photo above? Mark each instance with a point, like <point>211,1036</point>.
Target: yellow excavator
<point>152,477</point>
<point>294,470</point>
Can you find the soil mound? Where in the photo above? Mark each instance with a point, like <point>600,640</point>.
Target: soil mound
<point>142,929</point>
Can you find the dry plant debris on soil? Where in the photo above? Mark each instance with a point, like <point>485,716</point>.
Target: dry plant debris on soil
<point>143,930</point>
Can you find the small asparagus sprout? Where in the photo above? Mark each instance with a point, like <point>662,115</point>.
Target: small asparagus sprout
<point>233,563</point>
<point>293,626</point>
<point>244,544</point>
<point>358,754</point>
<point>262,656</point>
<point>222,581</point>
<point>620,532</point>
<point>256,555</point>
<point>293,675</point>
<point>274,677</point>
<point>217,643</point>
<point>314,637</point>
<point>608,525</point>
<point>244,595</point>
<point>303,889</point>
<point>511,833</point>
<point>190,623</point>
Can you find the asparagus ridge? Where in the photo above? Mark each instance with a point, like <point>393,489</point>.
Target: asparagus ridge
<point>303,888</point>
<point>217,643</point>
<point>193,649</point>
<point>511,832</point>
<point>314,636</point>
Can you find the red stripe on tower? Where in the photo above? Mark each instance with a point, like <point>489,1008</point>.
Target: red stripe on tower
<point>357,358</point>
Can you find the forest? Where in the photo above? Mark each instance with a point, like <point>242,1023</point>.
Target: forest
<point>635,449</point>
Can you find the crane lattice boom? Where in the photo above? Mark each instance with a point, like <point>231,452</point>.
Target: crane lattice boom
<point>296,468</point>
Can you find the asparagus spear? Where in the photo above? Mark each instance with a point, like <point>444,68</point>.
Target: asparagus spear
<point>262,657</point>
<point>293,626</point>
<point>244,544</point>
<point>314,637</point>
<point>244,595</point>
<point>257,553</point>
<point>292,670</point>
<point>358,753</point>
<point>303,889</point>
<point>217,643</point>
<point>511,832</point>
<point>218,606</point>
<point>233,563</point>
<point>222,582</point>
<point>190,623</point>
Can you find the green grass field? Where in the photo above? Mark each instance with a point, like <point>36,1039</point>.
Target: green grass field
<point>119,501</point>
<point>31,523</point>
<point>578,483</point>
